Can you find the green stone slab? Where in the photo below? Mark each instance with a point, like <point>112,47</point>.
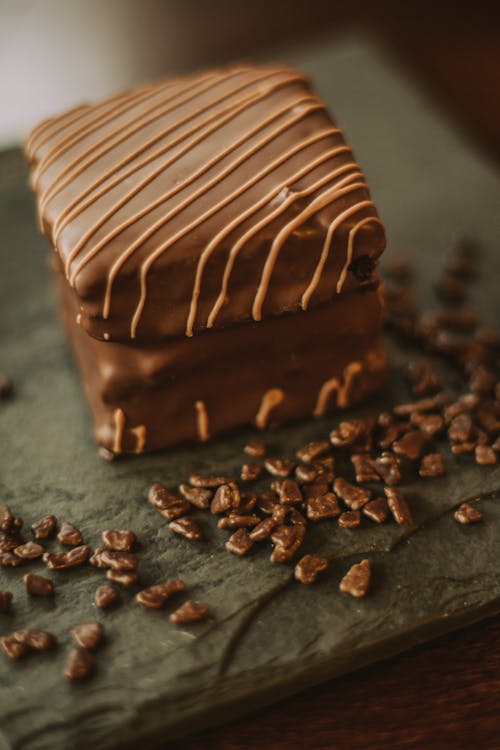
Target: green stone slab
<point>267,635</point>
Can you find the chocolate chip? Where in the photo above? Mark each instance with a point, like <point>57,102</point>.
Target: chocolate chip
<point>239,543</point>
<point>376,510</point>
<point>79,665</point>
<point>14,649</point>
<point>6,387</point>
<point>283,536</point>
<point>29,550</point>
<point>8,522</point>
<point>45,527</point>
<point>187,528</point>
<point>227,497</point>
<point>255,448</point>
<point>496,445</point>
<point>38,585</point>
<point>363,468</point>
<point>279,467</point>
<point>460,448</point>
<point>208,482</point>
<point>8,560</point>
<point>197,496</point>
<point>5,602</point>
<point>353,497</point>
<point>292,539</point>
<point>316,489</point>
<point>123,577</point>
<point>38,640</point>
<point>9,541</point>
<point>422,377</point>
<point>432,465</point>
<point>71,559</point>
<point>411,445</point>
<point>357,579</point>
<point>262,530</point>
<point>170,506</point>
<point>189,612</point>
<point>121,541</point>
<point>88,635</point>
<point>398,506</point>
<point>322,507</point>
<point>428,424</point>
<point>306,473</point>
<point>485,455</point>
<point>467,513</point>
<point>289,492</point>
<point>312,451</point>
<point>351,433</point>
<point>114,559</point>
<point>482,381</point>
<point>388,466</point>
<point>237,521</point>
<point>69,535</point>
<point>460,429</point>
<point>466,403</point>
<point>247,503</point>
<point>155,596</point>
<point>309,567</point>
<point>266,502</point>
<point>430,403</point>
<point>250,471</point>
<point>350,519</point>
<point>105,596</point>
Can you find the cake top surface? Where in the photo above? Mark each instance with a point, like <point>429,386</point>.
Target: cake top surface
<point>201,201</point>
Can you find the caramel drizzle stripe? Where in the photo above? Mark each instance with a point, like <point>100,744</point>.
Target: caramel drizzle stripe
<point>213,244</point>
<point>325,199</point>
<point>140,434</point>
<point>270,400</point>
<point>342,389</point>
<point>218,206</point>
<point>281,209</point>
<point>202,421</point>
<point>89,123</point>
<point>350,247</point>
<point>163,220</point>
<point>119,420</point>
<point>76,206</point>
<point>51,127</point>
<point>107,142</point>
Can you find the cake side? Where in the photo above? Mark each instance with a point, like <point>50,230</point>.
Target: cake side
<point>200,202</point>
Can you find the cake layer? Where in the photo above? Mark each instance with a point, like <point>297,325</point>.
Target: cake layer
<point>144,398</point>
<point>218,198</point>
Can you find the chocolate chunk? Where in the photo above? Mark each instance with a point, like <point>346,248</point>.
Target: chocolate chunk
<point>38,585</point>
<point>350,519</point>
<point>309,567</point>
<point>289,492</point>
<point>460,429</point>
<point>5,602</point>
<point>398,506</point>
<point>312,451</point>
<point>250,471</point>
<point>295,517</point>
<point>293,539</point>
<point>353,433</point>
<point>121,541</point>
<point>388,466</point>
<point>9,541</point>
<point>45,527</point>
<point>8,560</point>
<point>266,502</point>
<point>123,577</point>
<point>8,522</point>
<point>428,424</point>
<point>13,648</point>
<point>376,510</point>
<point>114,559</point>
<point>170,506</point>
<point>105,596</point>
<point>363,468</point>
<point>279,514</point>
<point>187,528</point>
<point>316,489</point>
<point>466,403</point>
<point>431,403</point>
<point>467,513</point>
<point>247,503</point>
<point>357,579</point>
<point>283,536</point>
<point>38,640</point>
<point>208,482</point>
<point>69,535</point>
<point>461,448</point>
<point>255,448</point>
<point>262,530</point>
<point>482,381</point>
<point>306,473</point>
<point>432,465</point>
<point>189,612</point>
<point>239,543</point>
<point>353,497</point>
<point>227,497</point>
<point>6,387</point>
<point>71,559</point>
<point>411,445</point>
<point>106,454</point>
<point>197,496</point>
<point>423,378</point>
<point>29,550</point>
<point>238,521</point>
<point>155,596</point>
<point>88,635</point>
<point>323,507</point>
<point>485,455</point>
<point>79,665</point>
<point>279,467</point>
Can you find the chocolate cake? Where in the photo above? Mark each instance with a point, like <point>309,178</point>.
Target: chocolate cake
<point>216,255</point>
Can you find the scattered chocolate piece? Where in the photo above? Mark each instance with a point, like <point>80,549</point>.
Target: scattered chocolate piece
<point>5,602</point>
<point>411,445</point>
<point>306,473</point>
<point>266,502</point>
<point>388,466</point>
<point>450,289</point>
<point>106,454</point>
<point>8,560</point>
<point>322,507</point>
<point>282,554</point>
<point>376,510</point>
<point>309,567</point>
<point>88,635</point>
<point>357,579</point>
<point>114,559</point>
<point>398,506</point>
<point>353,497</point>
<point>466,403</point>
<point>250,471</point>
<point>364,468</point>
<point>496,445</point>
<point>38,640</point>
<point>353,433</point>
<point>430,403</point>
<point>460,448</point>
<point>279,467</point>
<point>316,489</point>
<point>429,424</point>
<point>255,448</point>
<point>9,541</point>
<point>6,387</point>
<point>170,506</point>
<point>105,596</point>
<point>155,596</point>
<point>238,521</point>
<point>279,514</point>
<point>208,482</point>
<point>482,381</point>
<point>283,536</point>
<point>423,378</point>
<point>460,429</point>
<point>467,513</point>
<point>123,577</point>
<point>38,585</point>
<point>239,543</point>
<point>29,550</point>
<point>289,492</point>
<point>79,665</point>
<point>197,496</point>
<point>262,530</point>
<point>312,451</point>
<point>247,503</point>
<point>45,527</point>
<point>69,535</point>
<point>71,559</point>
<point>227,497</point>
<point>485,455</point>
<point>187,528</point>
<point>14,649</point>
<point>432,465</point>
<point>350,519</point>
<point>295,517</point>
<point>189,612</point>
<point>8,522</point>
<point>121,541</point>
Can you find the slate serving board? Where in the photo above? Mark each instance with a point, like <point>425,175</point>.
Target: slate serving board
<point>267,636</point>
